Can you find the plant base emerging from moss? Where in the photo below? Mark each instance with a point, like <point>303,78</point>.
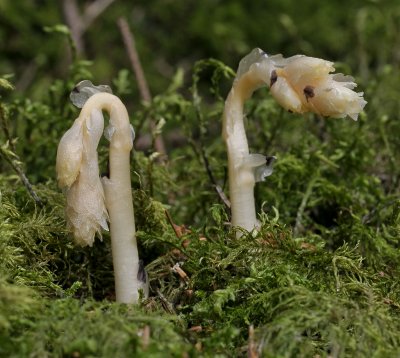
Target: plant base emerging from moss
<point>300,84</point>
<point>91,202</point>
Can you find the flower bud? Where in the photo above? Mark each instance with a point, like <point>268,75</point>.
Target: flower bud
<point>69,156</point>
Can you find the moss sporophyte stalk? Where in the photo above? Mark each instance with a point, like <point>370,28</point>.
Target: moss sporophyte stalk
<point>92,201</point>
<point>299,84</point>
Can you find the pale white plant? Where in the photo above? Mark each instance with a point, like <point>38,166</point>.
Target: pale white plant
<point>299,84</point>
<point>92,201</point>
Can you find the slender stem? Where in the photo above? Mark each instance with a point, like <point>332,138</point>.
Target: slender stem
<point>118,197</point>
<point>241,176</point>
<point>122,228</point>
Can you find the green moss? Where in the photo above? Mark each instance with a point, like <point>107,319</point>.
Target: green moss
<point>319,279</point>
<point>66,327</point>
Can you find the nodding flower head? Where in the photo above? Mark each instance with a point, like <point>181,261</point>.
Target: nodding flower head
<point>306,84</point>
<point>78,174</point>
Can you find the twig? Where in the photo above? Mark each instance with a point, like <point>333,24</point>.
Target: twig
<point>145,337</point>
<point>74,22</point>
<point>130,46</point>
<point>178,270</point>
<point>94,10</point>
<point>195,329</point>
<point>175,227</point>
<point>7,156</point>
<point>251,350</point>
<point>168,306</point>
<point>6,129</point>
<point>78,23</point>
<point>22,176</point>
<point>302,206</point>
<point>210,174</point>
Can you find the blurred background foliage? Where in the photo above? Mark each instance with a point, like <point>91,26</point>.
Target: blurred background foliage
<point>323,271</point>
<point>173,34</point>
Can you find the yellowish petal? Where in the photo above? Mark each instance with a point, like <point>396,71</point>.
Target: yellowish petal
<point>86,211</point>
<point>69,156</point>
<point>336,100</point>
<point>286,96</point>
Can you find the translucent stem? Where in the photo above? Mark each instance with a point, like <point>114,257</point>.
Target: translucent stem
<point>241,176</point>
<point>118,197</point>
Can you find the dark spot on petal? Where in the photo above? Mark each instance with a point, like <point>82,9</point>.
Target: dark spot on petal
<point>290,111</point>
<point>273,78</point>
<point>75,90</point>
<point>309,92</point>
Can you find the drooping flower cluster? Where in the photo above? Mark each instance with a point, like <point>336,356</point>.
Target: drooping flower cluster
<point>306,84</point>
<point>299,84</point>
<point>78,173</point>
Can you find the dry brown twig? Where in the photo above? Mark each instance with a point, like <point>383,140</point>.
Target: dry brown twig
<point>130,46</point>
<point>74,22</point>
<point>196,329</point>
<point>179,230</point>
<point>80,23</point>
<point>251,350</point>
<point>145,334</point>
<point>178,270</point>
<point>93,11</point>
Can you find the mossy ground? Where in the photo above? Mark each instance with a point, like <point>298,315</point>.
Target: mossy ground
<point>319,279</point>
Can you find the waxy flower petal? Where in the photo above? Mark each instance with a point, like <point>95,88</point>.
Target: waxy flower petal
<point>69,156</point>
<point>309,81</point>
<point>286,96</point>
<point>86,212</point>
<point>303,84</point>
<point>78,170</point>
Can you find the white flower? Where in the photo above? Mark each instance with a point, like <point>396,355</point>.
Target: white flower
<point>69,156</point>
<point>78,171</point>
<point>86,212</point>
<point>306,84</point>
<point>302,84</point>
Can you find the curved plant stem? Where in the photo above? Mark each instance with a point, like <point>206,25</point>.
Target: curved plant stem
<point>240,166</point>
<point>118,197</point>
